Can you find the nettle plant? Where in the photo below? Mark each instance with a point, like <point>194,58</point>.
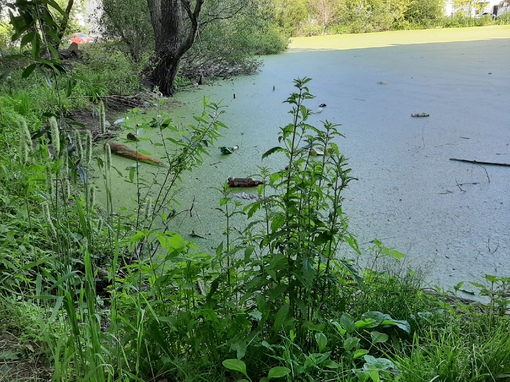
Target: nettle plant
<point>293,282</point>
<point>301,223</point>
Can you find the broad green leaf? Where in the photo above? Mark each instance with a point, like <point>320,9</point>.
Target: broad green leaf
<point>278,372</point>
<point>374,319</point>
<point>372,363</point>
<point>350,343</point>
<point>322,341</point>
<point>338,327</point>
<point>219,250</point>
<point>402,324</point>
<point>492,279</point>
<point>281,317</point>
<point>378,337</point>
<point>256,314</point>
<point>330,364</point>
<point>347,322</point>
<point>236,365</point>
<point>248,252</point>
<point>240,348</point>
<point>374,375</point>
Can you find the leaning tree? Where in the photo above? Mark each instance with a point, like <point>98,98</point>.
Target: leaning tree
<point>175,24</point>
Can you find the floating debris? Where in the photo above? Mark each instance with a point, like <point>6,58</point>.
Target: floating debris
<point>228,150</point>
<point>129,153</point>
<point>243,182</point>
<point>132,137</point>
<point>120,121</point>
<point>420,115</point>
<point>247,196</point>
<point>194,234</point>
<point>318,152</point>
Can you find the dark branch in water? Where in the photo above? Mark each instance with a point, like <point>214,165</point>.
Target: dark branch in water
<point>479,162</point>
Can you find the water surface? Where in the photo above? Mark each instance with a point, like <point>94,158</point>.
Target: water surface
<point>450,218</point>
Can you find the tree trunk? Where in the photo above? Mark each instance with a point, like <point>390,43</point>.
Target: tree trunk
<point>175,26</point>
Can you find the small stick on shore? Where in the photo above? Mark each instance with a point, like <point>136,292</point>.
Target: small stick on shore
<point>480,162</point>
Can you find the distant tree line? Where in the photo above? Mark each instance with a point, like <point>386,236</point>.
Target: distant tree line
<point>316,17</point>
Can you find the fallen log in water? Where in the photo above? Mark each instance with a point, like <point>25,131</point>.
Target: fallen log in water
<point>127,152</point>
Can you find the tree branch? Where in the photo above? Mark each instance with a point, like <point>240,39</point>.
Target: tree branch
<point>479,162</point>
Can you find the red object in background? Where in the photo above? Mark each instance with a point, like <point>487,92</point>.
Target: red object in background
<point>81,38</point>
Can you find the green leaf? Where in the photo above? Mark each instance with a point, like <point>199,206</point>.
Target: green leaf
<point>272,151</point>
<point>278,372</point>
<point>359,353</point>
<point>248,252</point>
<point>330,364</point>
<point>492,279</point>
<point>374,375</point>
<point>236,365</point>
<point>378,337</point>
<point>71,83</point>
<point>132,172</point>
<point>46,77</point>
<point>373,363</point>
<point>322,341</point>
<point>338,327</point>
<point>281,317</point>
<point>219,250</point>
<point>36,46</point>
<point>28,70</point>
<point>401,324</point>
<point>347,322</point>
<point>240,348</point>
<point>27,39</point>
<point>350,343</point>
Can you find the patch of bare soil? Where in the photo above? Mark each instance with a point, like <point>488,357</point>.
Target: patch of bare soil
<point>21,361</point>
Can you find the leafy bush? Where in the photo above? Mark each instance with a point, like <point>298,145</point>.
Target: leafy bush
<point>424,12</point>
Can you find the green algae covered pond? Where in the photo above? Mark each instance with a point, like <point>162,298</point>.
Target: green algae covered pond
<point>451,218</point>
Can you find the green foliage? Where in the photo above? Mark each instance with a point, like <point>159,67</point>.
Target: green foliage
<point>498,292</point>
<point>291,15</point>
<point>366,16</point>
<point>424,12</point>
<point>5,34</point>
<point>302,222</point>
<point>504,19</point>
<point>128,23</point>
<point>451,356</point>
<point>314,17</point>
<point>107,71</point>
<point>230,35</point>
